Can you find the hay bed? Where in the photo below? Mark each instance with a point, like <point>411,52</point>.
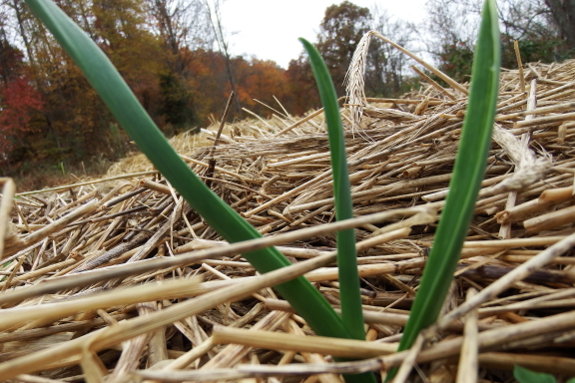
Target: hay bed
<point>97,278</point>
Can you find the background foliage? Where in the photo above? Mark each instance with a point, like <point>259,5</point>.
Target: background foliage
<point>452,25</point>
<point>174,55</point>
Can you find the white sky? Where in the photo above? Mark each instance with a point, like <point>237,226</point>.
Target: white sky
<point>269,29</point>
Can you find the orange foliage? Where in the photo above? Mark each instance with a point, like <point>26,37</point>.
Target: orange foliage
<point>255,80</point>
<point>61,119</point>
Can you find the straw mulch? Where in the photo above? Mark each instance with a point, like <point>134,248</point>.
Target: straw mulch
<point>102,281</point>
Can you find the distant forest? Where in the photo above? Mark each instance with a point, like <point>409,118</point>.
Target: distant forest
<point>174,55</point>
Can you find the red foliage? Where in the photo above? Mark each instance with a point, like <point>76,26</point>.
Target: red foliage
<point>19,100</point>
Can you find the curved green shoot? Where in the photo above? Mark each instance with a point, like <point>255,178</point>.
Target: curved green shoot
<point>102,75</point>
<point>351,310</point>
<point>465,184</point>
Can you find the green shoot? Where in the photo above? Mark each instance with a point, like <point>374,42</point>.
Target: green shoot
<point>351,310</point>
<point>464,186</point>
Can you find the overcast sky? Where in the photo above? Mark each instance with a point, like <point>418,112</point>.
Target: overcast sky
<point>269,29</point>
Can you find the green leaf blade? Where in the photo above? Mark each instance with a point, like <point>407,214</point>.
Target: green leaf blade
<point>350,297</point>
<point>466,181</point>
<point>347,255</point>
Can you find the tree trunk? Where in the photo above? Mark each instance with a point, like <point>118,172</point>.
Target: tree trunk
<point>563,12</point>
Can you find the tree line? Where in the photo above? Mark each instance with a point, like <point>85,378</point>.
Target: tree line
<point>174,55</point>
<point>164,49</point>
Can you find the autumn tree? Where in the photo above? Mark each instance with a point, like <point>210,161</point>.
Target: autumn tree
<point>32,35</point>
<point>205,83</point>
<point>259,81</point>
<point>182,26</point>
<point>19,101</point>
<point>386,72</point>
<point>74,124</point>
<point>121,31</point>
<point>340,30</point>
<point>303,89</point>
